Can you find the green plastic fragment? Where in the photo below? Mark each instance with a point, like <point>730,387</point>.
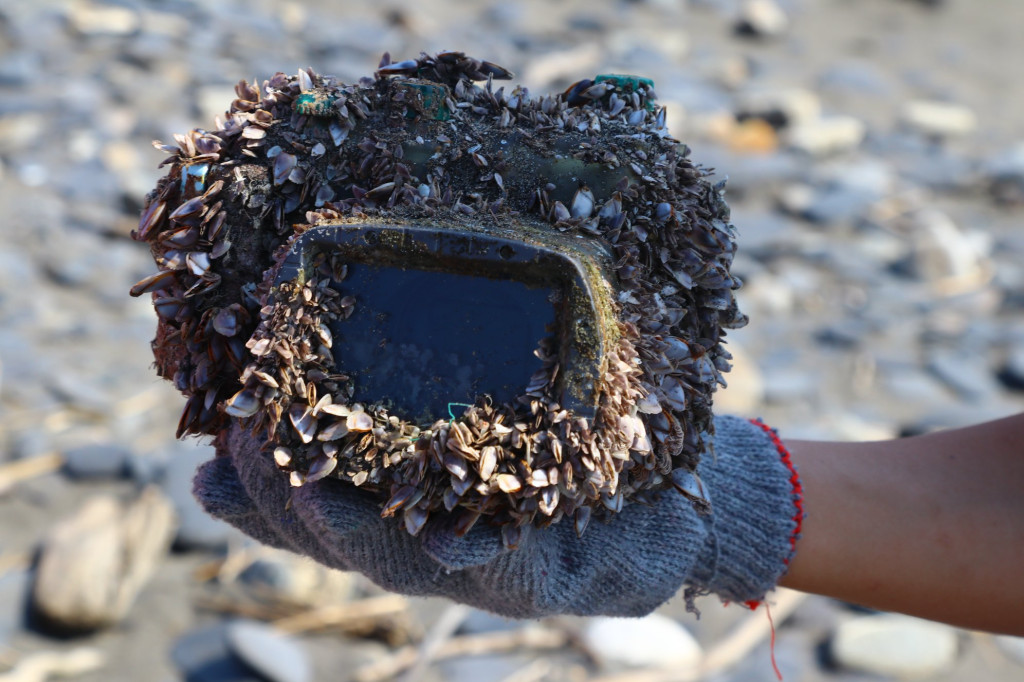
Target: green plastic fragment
<point>628,83</point>
<point>625,82</point>
<point>320,104</point>
<point>432,98</point>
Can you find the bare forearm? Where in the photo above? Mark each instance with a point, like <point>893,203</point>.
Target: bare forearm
<point>932,526</point>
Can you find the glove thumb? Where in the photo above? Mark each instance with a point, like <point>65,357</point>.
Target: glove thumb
<point>219,490</point>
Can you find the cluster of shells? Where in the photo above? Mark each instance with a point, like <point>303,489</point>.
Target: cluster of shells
<point>306,150</point>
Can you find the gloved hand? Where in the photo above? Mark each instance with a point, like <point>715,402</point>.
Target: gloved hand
<point>625,567</point>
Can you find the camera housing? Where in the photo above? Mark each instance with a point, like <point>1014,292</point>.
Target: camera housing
<point>467,300</point>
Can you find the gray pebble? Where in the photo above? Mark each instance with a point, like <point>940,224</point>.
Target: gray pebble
<point>1005,175</point>
<point>587,22</point>
<point>894,645</point>
<point>788,384</point>
<point>270,574</point>
<point>840,191</point>
<point>913,385</point>
<point>965,372</point>
<point>846,333</point>
<point>837,205</point>
<point>197,529</point>
<point>761,19</point>
<point>761,231</point>
<point>481,621</point>
<point>17,68</point>
<point>273,655</point>
<point>870,176</point>
<point>653,640</point>
<point>858,78</point>
<point>941,170</point>
<point>486,668</point>
<point>98,460</point>
<point>147,467</point>
<point>14,595</point>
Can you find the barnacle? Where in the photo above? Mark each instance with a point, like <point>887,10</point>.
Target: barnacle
<point>265,228</point>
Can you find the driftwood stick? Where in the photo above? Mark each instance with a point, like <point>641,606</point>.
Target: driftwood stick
<point>234,607</point>
<point>14,561</point>
<point>535,671</point>
<point>344,615</point>
<point>443,630</point>
<point>531,637</point>
<point>41,666</point>
<point>28,468</point>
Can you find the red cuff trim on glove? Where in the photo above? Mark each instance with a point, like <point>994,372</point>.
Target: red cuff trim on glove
<point>794,481</point>
<point>798,496</point>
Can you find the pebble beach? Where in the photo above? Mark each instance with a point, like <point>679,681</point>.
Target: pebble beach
<point>874,158</point>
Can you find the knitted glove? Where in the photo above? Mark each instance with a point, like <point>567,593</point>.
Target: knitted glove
<point>625,567</point>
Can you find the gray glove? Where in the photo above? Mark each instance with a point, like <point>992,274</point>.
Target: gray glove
<point>625,567</point>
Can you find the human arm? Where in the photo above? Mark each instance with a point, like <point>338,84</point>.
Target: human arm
<point>931,525</point>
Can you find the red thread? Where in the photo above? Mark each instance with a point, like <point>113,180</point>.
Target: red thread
<point>794,481</point>
<point>771,624</point>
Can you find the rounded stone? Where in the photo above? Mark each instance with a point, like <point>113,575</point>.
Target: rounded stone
<point>295,580</point>
<point>761,19</point>
<point>651,641</point>
<point>14,595</point>
<point>941,119</point>
<point>267,651</point>
<point>894,645</point>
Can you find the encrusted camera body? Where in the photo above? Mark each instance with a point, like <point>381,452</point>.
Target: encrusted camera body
<point>467,300</point>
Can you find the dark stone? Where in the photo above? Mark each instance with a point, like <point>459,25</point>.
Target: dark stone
<point>845,334</point>
<point>203,655</point>
<point>1011,374</point>
<point>98,460</point>
<point>1005,174</point>
<point>586,22</point>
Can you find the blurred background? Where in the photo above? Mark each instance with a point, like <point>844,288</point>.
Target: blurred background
<point>875,157</point>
